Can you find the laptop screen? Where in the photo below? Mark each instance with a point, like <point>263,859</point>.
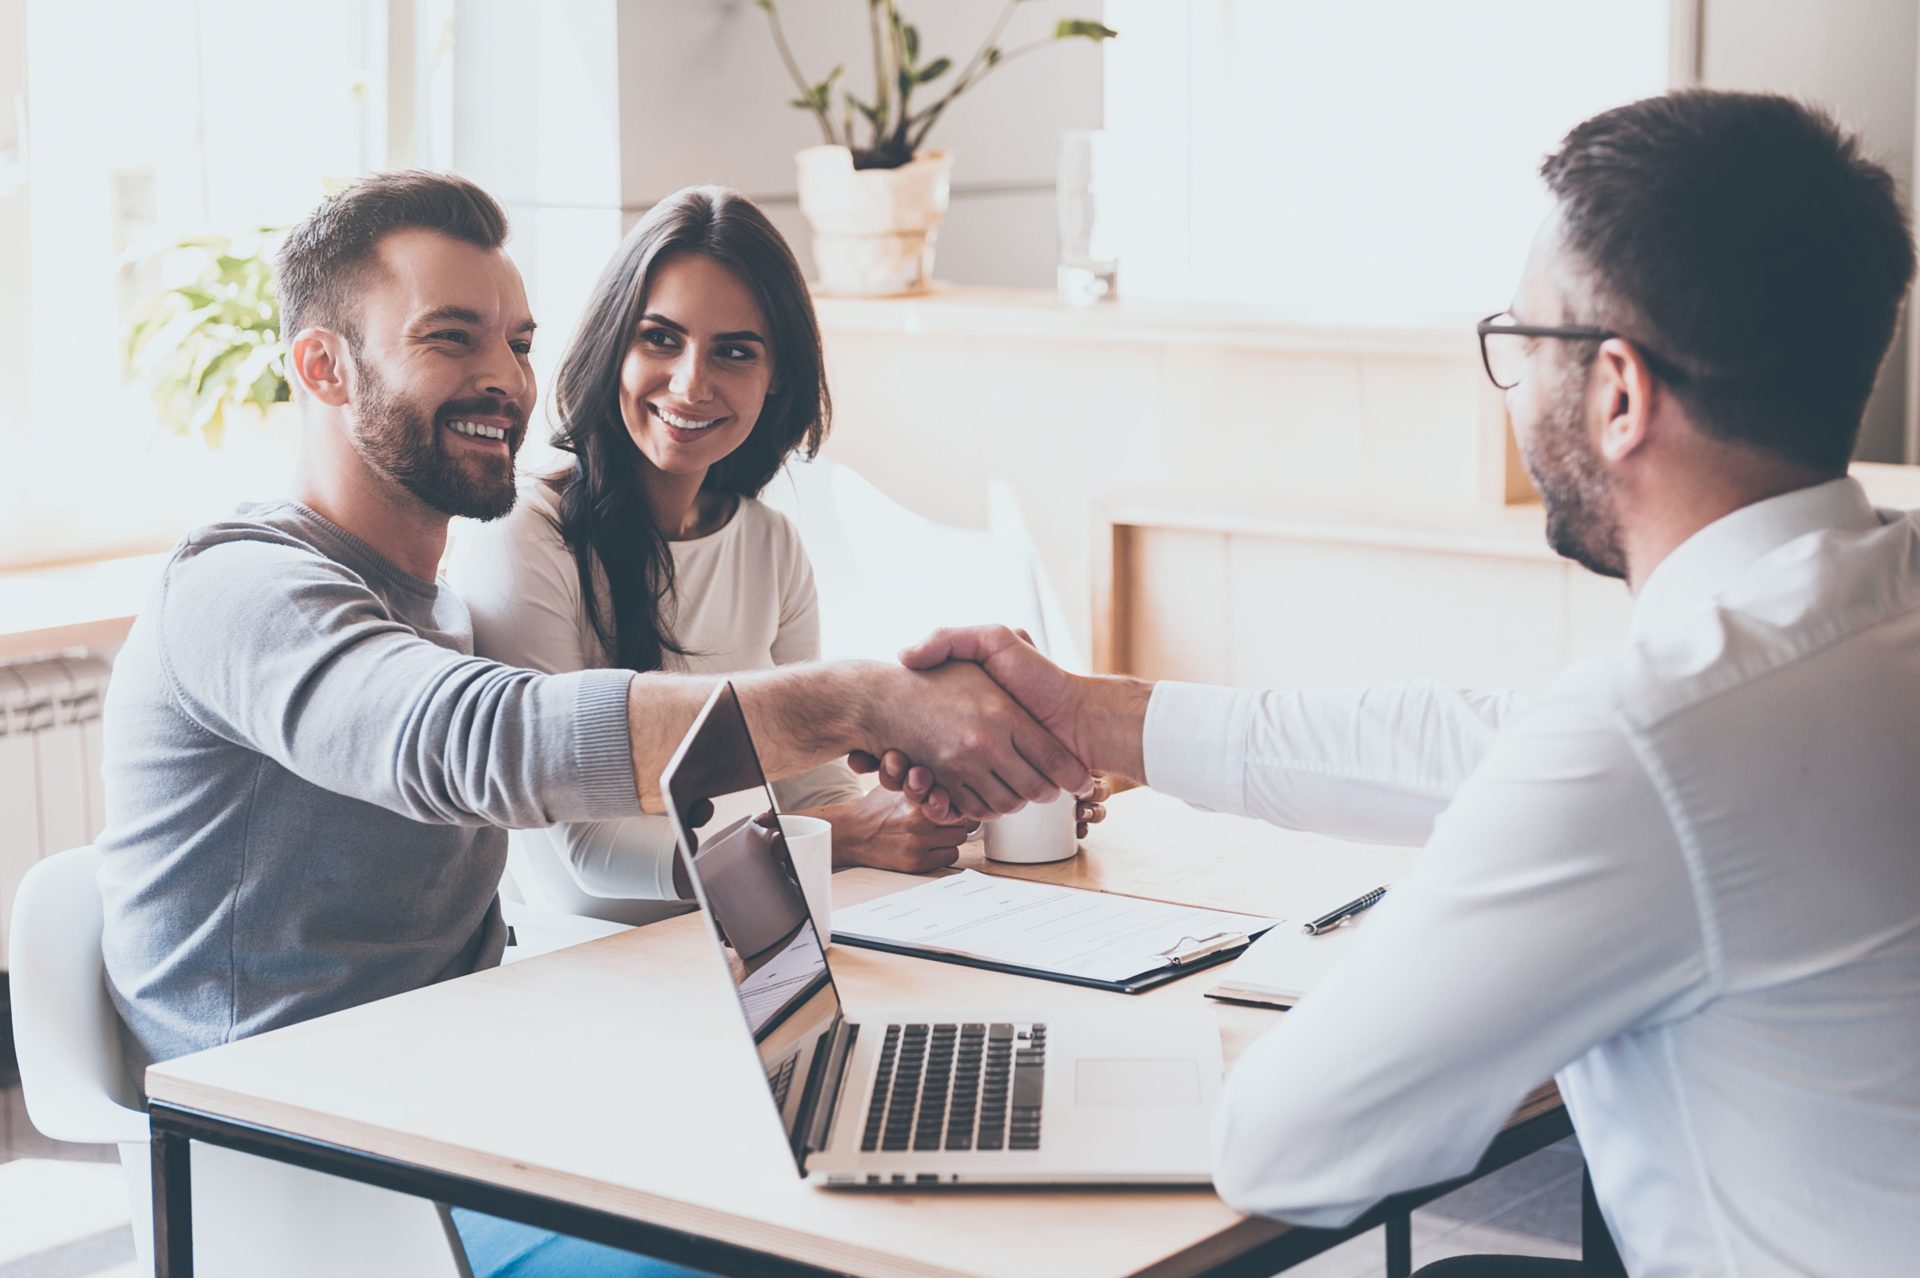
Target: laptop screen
<point>729,833</point>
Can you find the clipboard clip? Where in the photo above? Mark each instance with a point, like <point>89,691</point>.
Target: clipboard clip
<point>1199,947</point>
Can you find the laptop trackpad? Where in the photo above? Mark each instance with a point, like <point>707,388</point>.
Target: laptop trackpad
<point>1164,1083</point>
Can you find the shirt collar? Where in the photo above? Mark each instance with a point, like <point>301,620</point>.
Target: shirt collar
<point>1707,562</point>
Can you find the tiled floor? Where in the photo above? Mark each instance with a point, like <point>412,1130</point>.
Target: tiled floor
<point>63,1208</point>
<point>1531,1208</point>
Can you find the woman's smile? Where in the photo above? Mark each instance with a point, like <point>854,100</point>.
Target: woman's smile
<point>685,427</point>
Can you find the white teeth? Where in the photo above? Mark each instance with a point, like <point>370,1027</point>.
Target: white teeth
<point>478,430</point>
<point>685,423</point>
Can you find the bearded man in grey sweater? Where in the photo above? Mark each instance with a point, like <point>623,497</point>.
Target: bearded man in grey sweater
<point>309,775</point>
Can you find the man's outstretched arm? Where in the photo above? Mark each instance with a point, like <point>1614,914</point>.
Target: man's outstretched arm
<point>984,750</point>
<point>263,642</point>
<point>1366,763</point>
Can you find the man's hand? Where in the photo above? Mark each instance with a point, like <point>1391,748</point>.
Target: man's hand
<point>984,751</point>
<point>1100,719</point>
<point>898,774</point>
<point>1092,810</point>
<point>1042,688</point>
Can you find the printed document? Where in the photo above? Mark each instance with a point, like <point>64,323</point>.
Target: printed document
<point>1042,926</point>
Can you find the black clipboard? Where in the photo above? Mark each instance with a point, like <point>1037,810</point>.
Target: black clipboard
<point>1211,952</point>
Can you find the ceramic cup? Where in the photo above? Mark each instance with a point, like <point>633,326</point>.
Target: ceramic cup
<point>1036,833</point>
<point>810,844</point>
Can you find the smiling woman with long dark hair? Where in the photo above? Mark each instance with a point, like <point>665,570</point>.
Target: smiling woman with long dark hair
<point>695,373</point>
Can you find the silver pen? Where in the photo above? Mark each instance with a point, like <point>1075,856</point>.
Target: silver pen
<point>1334,918</point>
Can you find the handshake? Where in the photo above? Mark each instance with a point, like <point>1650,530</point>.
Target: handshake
<point>980,724</point>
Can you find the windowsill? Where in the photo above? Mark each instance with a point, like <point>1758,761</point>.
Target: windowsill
<point>78,605</point>
<point>970,312</point>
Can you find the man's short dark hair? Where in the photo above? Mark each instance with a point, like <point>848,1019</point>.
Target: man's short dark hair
<point>324,260</point>
<point>1746,240</point>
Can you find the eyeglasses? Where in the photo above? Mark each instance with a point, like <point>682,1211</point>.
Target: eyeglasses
<point>1503,350</point>
<point>1503,344</point>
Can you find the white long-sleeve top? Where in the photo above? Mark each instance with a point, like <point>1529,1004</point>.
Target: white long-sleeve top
<point>744,600</point>
<point>1684,881</point>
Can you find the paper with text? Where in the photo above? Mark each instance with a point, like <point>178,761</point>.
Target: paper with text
<point>1043,926</point>
<point>790,973</point>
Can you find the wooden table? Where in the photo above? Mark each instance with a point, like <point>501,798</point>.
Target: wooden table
<point>607,1091</point>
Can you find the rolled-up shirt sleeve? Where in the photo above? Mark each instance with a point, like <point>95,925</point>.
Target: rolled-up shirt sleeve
<point>1376,764</point>
<point>1551,909</point>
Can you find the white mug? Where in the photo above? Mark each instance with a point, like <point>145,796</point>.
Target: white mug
<point>1036,833</point>
<point>810,844</point>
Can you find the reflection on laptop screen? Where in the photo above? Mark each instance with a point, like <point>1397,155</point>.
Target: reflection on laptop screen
<point>745,881</point>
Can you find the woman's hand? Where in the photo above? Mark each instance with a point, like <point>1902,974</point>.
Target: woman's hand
<point>889,832</point>
<point>1093,809</point>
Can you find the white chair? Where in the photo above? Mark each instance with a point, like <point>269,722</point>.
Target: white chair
<point>250,1216</point>
<point>888,577</point>
<point>548,911</point>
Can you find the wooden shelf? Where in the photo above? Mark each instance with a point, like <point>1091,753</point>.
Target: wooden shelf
<point>953,311</point>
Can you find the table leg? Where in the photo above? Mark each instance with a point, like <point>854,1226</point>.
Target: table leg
<point>1598,1256</point>
<point>1399,1231</point>
<point>172,1205</point>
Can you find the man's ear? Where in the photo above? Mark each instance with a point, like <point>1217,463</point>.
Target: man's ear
<point>1624,387</point>
<point>318,359</point>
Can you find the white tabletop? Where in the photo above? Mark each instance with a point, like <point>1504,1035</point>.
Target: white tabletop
<point>617,1075</point>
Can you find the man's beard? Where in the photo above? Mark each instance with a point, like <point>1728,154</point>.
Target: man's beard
<point>403,443</point>
<point>1582,522</point>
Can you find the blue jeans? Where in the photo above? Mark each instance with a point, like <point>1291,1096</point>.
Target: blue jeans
<point>507,1249</point>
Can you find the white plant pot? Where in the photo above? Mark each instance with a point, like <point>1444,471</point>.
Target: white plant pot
<point>873,229</point>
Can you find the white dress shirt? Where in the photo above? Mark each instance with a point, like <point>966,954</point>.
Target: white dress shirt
<point>744,600</point>
<point>1684,881</point>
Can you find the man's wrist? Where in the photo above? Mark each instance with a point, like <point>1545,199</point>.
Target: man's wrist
<point>867,697</point>
<point>1109,723</point>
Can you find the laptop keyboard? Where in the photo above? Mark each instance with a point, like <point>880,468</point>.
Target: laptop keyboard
<point>782,1080</point>
<point>967,1086</point>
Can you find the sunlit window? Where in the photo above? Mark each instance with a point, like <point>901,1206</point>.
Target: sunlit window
<point>1370,162</point>
<point>139,125</point>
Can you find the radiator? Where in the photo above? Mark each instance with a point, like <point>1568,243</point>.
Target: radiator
<point>50,787</point>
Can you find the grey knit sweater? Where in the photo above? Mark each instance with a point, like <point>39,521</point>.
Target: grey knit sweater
<point>307,776</point>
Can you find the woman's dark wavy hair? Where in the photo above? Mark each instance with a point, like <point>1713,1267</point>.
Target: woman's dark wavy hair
<point>604,513</point>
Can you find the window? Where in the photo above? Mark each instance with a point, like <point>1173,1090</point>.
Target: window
<point>127,127</point>
<point>1369,162</point>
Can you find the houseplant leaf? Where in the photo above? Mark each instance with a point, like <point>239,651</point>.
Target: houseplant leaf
<point>212,341</point>
<point>1068,28</point>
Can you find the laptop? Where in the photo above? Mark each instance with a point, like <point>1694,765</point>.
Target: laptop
<point>1121,1094</point>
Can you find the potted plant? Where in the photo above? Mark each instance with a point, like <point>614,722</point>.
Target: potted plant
<point>209,344</point>
<point>875,205</point>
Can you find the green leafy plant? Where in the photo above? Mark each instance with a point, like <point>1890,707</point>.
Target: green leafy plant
<point>211,344</point>
<point>895,130</point>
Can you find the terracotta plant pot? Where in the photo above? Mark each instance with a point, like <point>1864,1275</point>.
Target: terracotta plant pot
<point>873,229</point>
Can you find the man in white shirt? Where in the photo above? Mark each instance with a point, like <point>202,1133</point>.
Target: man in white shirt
<point>1684,879</point>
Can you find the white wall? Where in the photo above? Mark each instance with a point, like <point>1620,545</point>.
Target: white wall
<point>1856,57</point>
<point>16,280</point>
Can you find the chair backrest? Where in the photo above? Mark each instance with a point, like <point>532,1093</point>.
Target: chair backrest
<point>548,909</point>
<point>250,1216</point>
<point>887,577</point>
<point>69,1038</point>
